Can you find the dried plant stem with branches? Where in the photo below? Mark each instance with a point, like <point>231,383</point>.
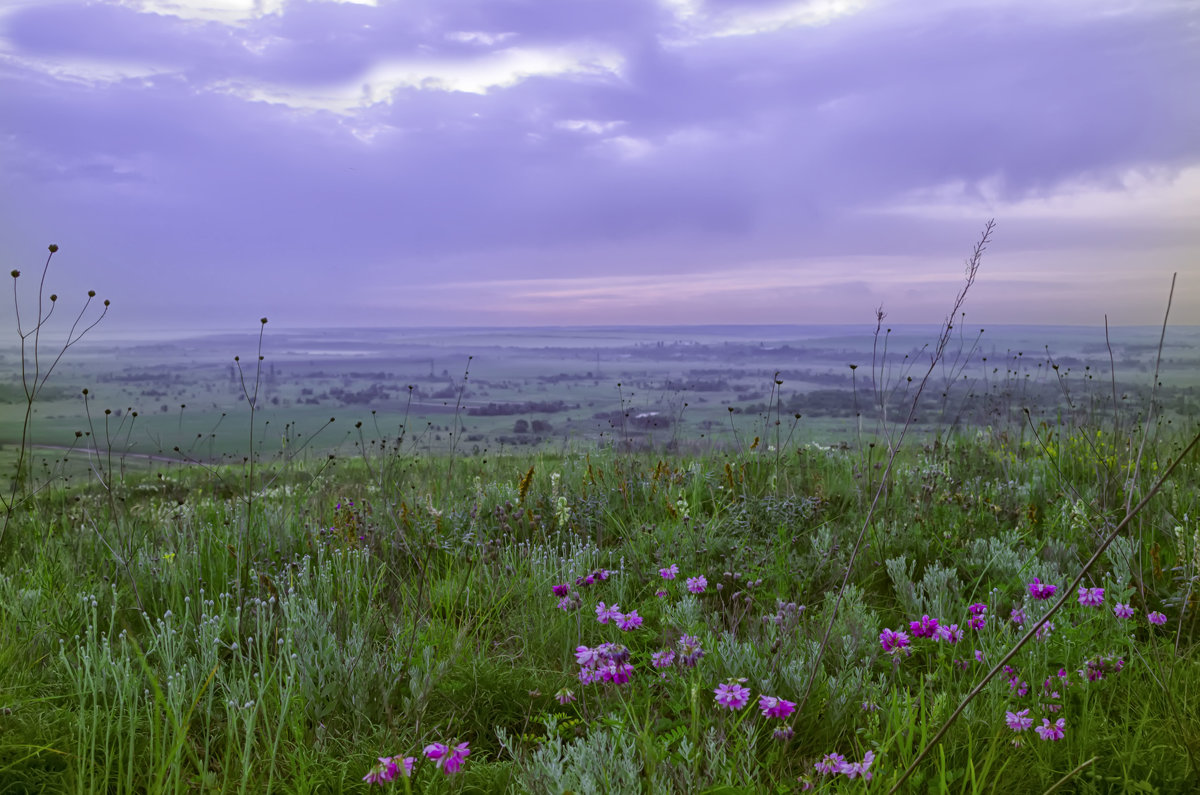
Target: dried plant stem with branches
<point>34,377</point>
<point>972,270</point>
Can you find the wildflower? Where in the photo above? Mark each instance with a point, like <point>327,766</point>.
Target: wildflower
<point>616,672</point>
<point>630,620</point>
<point>689,651</point>
<point>586,656</point>
<point>588,675</point>
<point>565,696</point>
<point>1041,590</point>
<point>978,609</point>
<point>566,603</point>
<point>453,760</point>
<point>1017,616</point>
<point>388,768</point>
<point>977,622</point>
<point>1052,731</point>
<point>784,733</point>
<point>697,584</point>
<point>662,659</point>
<point>447,758</point>
<point>863,768</point>
<point>562,589</point>
<point>1018,721</point>
<point>950,634</point>
<point>892,639</point>
<point>669,572</point>
<point>1156,617</point>
<point>1091,597</point>
<point>1044,631</point>
<point>773,707</point>
<point>732,695</point>
<point>660,594</point>
<point>830,764</point>
<point>978,656</point>
<point>1123,611</point>
<point>925,628</point>
<point>603,614</point>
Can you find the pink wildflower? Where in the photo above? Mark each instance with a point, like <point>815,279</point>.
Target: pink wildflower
<point>891,640</point>
<point>662,659</point>
<point>925,628</point>
<point>1091,597</point>
<point>586,656</point>
<point>669,572</point>
<point>863,768</point>
<point>731,695</point>
<point>773,707</point>
<point>1052,731</point>
<point>1123,611</point>
<point>1041,590</point>
<point>1156,617</point>
<point>1018,721</point>
<point>830,764</point>
<point>697,584</point>
<point>604,614</point>
<point>562,589</point>
<point>630,620</point>
<point>565,696</point>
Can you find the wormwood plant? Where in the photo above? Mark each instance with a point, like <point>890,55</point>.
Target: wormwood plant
<point>37,365</point>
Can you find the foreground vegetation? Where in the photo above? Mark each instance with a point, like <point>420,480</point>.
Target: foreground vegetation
<point>959,606</point>
<point>188,633</point>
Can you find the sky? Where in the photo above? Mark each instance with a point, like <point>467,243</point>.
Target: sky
<point>202,163</point>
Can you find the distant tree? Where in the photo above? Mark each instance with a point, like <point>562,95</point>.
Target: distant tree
<point>520,426</point>
<point>542,426</point>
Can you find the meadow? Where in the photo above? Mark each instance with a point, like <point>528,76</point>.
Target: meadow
<point>712,560</point>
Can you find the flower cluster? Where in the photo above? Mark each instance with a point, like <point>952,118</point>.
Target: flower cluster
<point>833,764</point>
<point>571,599</point>
<point>624,621</point>
<point>608,662</point>
<point>449,759</point>
<point>388,768</point>
<point>1041,590</point>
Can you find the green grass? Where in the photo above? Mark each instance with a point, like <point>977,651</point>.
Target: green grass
<point>176,636</point>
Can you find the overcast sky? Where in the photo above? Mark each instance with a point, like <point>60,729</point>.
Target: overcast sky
<point>529,162</point>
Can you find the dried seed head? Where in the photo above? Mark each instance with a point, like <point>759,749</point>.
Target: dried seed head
<point>53,247</point>
<point>15,273</point>
<point>91,293</point>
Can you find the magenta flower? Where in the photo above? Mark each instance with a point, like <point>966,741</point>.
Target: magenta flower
<point>1041,590</point>
<point>978,609</point>
<point>604,614</point>
<point>630,620</point>
<point>1091,597</point>
<point>830,764</point>
<point>773,707</point>
<point>1018,721</point>
<point>731,695</point>
<point>616,672</point>
<point>1156,617</point>
<point>977,622</point>
<point>451,762</point>
<point>1123,611</point>
<point>891,640</point>
<point>863,768</point>
<point>388,768</point>
<point>564,696</point>
<point>662,659</point>
<point>1017,616</point>
<point>1052,731</point>
<point>436,751</point>
<point>1044,631</point>
<point>689,651</point>
<point>586,656</point>
<point>697,584</point>
<point>660,594</point>
<point>669,572</point>
<point>925,628</point>
<point>562,589</point>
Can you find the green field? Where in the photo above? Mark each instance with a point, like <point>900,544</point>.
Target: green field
<point>268,601</point>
